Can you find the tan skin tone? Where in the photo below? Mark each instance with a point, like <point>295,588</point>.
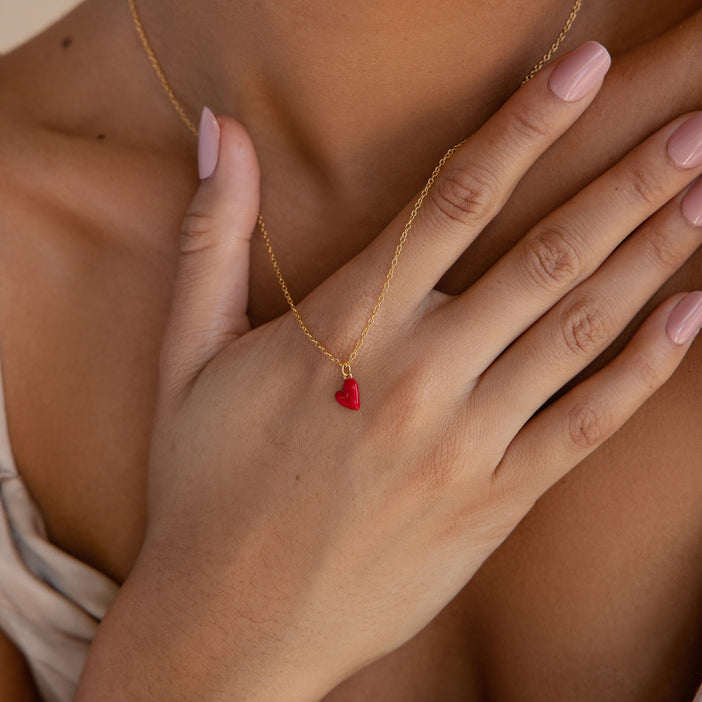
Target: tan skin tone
<point>601,579</point>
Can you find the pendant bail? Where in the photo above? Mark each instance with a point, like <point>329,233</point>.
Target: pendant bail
<point>346,370</point>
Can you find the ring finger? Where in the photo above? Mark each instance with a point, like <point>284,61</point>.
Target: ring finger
<point>568,245</point>
<point>585,322</point>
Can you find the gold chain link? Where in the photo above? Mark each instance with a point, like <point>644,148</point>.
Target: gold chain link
<point>554,47</point>
<point>344,365</point>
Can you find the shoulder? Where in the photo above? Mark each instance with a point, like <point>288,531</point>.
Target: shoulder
<point>74,132</point>
<point>72,162</point>
<point>32,186</point>
<point>31,156</point>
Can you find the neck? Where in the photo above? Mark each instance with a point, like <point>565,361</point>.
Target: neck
<point>336,86</point>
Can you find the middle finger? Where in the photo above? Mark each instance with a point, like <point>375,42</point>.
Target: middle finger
<point>569,245</point>
<point>589,318</point>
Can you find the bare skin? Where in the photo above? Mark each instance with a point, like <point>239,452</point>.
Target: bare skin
<point>601,580</point>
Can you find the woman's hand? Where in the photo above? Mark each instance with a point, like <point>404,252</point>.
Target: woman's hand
<point>647,86</point>
<point>291,541</point>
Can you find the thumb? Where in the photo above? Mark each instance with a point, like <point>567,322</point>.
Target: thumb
<point>211,291</point>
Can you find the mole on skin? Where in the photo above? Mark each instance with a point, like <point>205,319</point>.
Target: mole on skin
<point>66,42</point>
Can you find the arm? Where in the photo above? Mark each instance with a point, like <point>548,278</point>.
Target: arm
<point>255,577</point>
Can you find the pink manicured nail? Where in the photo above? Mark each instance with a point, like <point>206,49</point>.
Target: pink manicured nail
<point>208,144</point>
<point>692,203</point>
<point>685,146</point>
<point>685,320</point>
<point>579,72</point>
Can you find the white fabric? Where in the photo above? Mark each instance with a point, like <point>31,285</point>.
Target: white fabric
<point>50,603</point>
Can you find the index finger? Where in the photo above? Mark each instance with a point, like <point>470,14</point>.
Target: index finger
<point>478,179</point>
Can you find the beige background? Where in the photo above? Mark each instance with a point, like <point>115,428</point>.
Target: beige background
<point>20,19</point>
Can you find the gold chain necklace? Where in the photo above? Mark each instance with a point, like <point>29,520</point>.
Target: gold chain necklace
<point>349,396</point>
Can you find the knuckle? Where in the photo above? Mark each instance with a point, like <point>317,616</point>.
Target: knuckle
<point>466,196</point>
<point>551,258</point>
<point>649,371</point>
<point>588,425</point>
<point>646,185</point>
<point>410,392</point>
<point>585,326</point>
<point>196,230</point>
<point>441,440</point>
<point>664,246</point>
<point>511,489</point>
<point>526,127</point>
<point>443,465</point>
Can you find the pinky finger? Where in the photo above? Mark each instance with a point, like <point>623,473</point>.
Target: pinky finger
<point>559,437</point>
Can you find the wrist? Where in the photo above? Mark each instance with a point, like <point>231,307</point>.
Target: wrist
<point>189,640</point>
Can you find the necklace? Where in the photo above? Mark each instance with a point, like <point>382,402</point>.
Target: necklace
<point>349,395</point>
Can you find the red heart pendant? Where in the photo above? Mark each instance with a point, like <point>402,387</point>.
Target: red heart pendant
<point>349,397</point>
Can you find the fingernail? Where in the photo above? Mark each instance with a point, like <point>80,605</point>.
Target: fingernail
<point>692,204</point>
<point>579,72</point>
<point>686,319</point>
<point>208,144</point>
<point>685,146</point>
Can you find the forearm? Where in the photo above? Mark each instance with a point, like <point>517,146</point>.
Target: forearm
<point>177,639</point>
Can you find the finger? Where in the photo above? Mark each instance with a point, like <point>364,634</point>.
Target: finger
<point>210,295</point>
<point>478,179</point>
<point>586,321</point>
<point>570,243</point>
<point>566,432</point>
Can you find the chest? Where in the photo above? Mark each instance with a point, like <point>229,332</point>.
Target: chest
<point>596,595</point>
<point>602,580</point>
